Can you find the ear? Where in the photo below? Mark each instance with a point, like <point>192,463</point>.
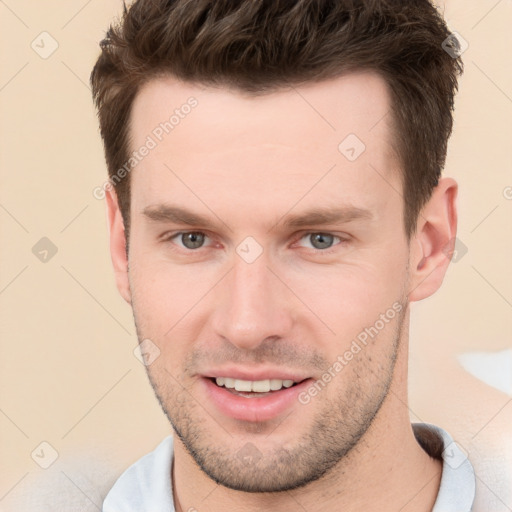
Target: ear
<point>432,245</point>
<point>118,245</point>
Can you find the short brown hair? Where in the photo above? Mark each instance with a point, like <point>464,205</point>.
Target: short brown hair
<point>258,46</point>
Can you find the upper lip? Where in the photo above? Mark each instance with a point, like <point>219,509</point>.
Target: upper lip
<point>256,374</point>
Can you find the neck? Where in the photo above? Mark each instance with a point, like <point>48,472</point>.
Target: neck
<point>386,471</point>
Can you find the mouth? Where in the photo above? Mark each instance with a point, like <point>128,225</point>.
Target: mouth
<point>253,388</point>
<point>254,400</point>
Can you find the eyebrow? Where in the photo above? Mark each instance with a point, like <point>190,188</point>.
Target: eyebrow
<point>176,214</point>
<point>323,215</point>
<point>315,216</point>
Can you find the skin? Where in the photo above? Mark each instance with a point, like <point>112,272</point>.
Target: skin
<point>248,163</point>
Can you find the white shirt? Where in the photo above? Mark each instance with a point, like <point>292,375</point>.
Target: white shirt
<point>146,485</point>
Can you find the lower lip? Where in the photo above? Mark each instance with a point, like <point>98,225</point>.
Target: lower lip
<point>254,409</point>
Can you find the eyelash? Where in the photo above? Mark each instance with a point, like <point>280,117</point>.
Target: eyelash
<point>342,241</point>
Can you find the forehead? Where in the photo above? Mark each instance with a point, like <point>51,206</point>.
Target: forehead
<point>353,103</point>
<point>237,144</point>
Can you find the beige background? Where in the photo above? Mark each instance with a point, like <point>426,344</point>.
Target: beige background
<point>68,375</point>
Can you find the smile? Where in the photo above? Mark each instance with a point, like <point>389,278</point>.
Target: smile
<point>254,400</point>
<point>254,386</point>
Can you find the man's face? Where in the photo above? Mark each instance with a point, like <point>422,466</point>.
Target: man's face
<point>263,287</point>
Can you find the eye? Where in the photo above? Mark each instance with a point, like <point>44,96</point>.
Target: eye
<point>321,241</point>
<point>190,239</point>
<point>193,240</point>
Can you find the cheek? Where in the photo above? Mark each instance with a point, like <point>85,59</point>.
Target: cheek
<point>166,296</point>
<point>348,298</point>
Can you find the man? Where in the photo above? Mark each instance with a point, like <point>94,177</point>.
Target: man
<point>275,203</point>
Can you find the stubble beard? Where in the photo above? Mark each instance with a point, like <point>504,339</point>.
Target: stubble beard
<point>336,429</point>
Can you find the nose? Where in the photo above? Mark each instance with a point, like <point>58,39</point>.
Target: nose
<point>252,305</point>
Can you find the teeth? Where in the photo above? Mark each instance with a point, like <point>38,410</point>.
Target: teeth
<point>229,383</point>
<point>257,386</point>
<point>261,386</point>
<point>275,384</point>
<point>243,385</point>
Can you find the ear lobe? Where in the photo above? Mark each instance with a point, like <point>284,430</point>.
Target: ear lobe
<point>432,246</point>
<point>118,251</point>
